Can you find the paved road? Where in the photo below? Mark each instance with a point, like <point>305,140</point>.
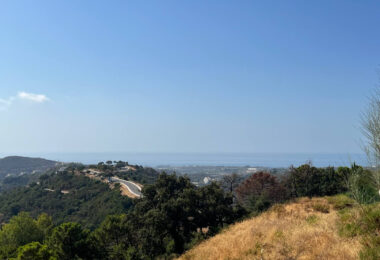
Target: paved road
<point>133,188</point>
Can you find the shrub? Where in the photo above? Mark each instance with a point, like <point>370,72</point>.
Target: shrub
<point>348,223</point>
<point>370,227</point>
<point>341,201</point>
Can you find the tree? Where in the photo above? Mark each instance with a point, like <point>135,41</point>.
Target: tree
<point>165,215</point>
<point>231,181</point>
<point>113,238</point>
<point>109,162</point>
<point>259,191</point>
<point>69,241</point>
<point>35,251</point>
<point>45,224</point>
<point>108,175</point>
<point>307,180</point>
<point>171,213</point>
<point>361,185</point>
<point>370,123</point>
<point>21,230</point>
<point>215,208</point>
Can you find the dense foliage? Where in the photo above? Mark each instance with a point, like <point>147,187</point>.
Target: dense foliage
<point>172,215</point>
<point>262,189</point>
<point>65,197</point>
<point>143,175</point>
<point>307,180</point>
<point>11,182</point>
<point>94,222</point>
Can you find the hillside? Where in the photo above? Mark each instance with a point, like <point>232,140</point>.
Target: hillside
<point>66,197</point>
<point>17,164</point>
<point>299,230</point>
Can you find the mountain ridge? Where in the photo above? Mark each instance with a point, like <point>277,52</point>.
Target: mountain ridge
<point>15,165</point>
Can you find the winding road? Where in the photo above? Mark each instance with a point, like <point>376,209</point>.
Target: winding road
<point>132,187</point>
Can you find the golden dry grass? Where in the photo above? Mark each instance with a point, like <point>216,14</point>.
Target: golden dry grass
<point>292,231</point>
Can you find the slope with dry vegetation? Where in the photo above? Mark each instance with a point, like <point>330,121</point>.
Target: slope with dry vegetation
<point>305,229</point>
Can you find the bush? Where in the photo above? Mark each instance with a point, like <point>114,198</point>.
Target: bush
<point>370,227</point>
<point>341,201</point>
<point>363,221</point>
<point>362,186</point>
<point>348,223</point>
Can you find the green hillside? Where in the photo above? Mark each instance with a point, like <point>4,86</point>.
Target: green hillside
<point>66,197</point>
<point>15,165</point>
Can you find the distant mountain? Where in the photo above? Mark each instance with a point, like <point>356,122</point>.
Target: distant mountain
<point>15,165</point>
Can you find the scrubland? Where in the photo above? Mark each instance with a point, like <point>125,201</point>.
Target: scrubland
<point>303,229</point>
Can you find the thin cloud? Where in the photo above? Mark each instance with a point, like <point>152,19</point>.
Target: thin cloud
<point>5,103</point>
<point>38,98</point>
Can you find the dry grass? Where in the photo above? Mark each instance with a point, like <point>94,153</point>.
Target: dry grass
<point>293,231</point>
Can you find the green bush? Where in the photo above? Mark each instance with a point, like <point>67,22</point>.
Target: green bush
<point>341,201</point>
<point>348,224</point>
<point>371,226</point>
<point>363,221</point>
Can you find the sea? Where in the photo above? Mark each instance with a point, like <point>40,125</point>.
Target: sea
<point>272,160</point>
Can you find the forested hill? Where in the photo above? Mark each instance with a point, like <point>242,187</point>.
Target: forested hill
<point>18,164</point>
<point>66,197</point>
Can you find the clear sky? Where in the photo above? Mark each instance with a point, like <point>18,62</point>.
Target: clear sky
<point>186,76</point>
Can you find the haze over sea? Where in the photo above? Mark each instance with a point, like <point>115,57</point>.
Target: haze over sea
<point>212,159</point>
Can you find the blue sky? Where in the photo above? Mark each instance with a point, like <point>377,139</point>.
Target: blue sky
<point>186,76</point>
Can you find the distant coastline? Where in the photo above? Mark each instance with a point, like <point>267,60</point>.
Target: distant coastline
<point>273,160</point>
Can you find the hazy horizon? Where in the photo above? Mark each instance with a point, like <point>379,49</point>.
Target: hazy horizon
<point>275,160</point>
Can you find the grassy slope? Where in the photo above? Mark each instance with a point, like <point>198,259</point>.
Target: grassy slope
<point>293,231</point>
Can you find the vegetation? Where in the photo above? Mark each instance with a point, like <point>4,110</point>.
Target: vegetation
<point>121,169</point>
<point>90,221</point>
<point>261,190</point>
<point>338,227</point>
<point>287,231</point>
<point>364,187</point>
<point>172,215</point>
<point>11,182</point>
<point>144,175</point>
<point>66,197</point>
<point>310,181</point>
<point>16,165</point>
